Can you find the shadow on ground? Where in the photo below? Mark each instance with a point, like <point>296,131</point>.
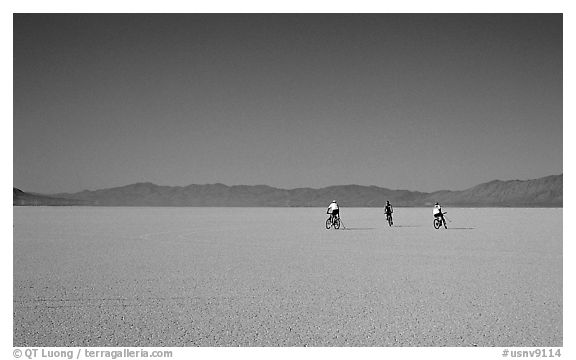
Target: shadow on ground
<point>358,229</point>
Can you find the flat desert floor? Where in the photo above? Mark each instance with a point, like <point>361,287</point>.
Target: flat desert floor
<point>277,277</point>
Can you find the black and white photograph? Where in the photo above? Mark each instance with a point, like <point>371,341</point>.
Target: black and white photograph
<point>281,180</point>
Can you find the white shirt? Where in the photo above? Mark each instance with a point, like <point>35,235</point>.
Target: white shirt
<point>437,210</point>
<point>332,207</point>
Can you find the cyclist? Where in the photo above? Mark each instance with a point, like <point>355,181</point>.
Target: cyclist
<point>437,212</point>
<point>333,210</point>
<point>388,210</point>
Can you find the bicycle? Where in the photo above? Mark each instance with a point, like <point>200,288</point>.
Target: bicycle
<point>333,221</point>
<point>389,219</point>
<point>439,220</point>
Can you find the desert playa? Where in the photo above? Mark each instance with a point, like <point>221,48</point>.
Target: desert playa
<point>276,277</point>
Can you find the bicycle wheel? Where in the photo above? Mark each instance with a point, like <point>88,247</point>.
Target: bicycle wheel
<point>337,223</point>
<point>328,223</point>
<point>437,223</point>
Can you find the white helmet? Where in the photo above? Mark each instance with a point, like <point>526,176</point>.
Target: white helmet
<point>333,200</point>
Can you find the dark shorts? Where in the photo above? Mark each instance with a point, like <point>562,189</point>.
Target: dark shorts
<point>335,212</point>
<point>439,215</point>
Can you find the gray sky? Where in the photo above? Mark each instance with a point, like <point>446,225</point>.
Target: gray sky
<point>419,102</point>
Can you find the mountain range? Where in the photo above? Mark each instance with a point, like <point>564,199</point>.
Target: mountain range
<point>21,198</point>
<point>542,192</point>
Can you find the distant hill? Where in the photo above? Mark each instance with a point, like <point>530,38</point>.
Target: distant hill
<point>21,198</point>
<point>546,191</point>
<point>543,192</point>
<point>148,194</point>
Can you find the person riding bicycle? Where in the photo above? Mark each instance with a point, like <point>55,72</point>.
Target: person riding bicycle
<point>388,210</point>
<point>437,212</point>
<point>333,210</point>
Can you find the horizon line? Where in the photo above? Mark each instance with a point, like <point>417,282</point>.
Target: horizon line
<point>279,188</point>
